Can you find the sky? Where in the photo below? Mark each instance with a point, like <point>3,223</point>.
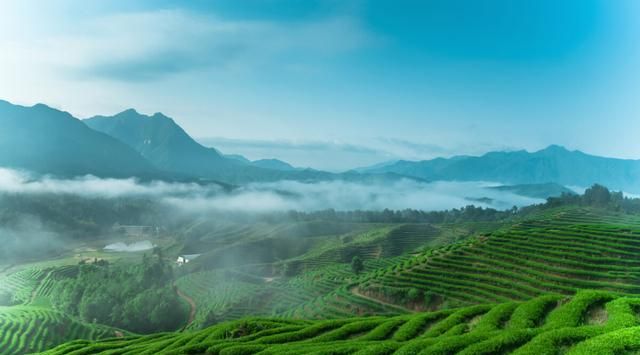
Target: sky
<point>338,84</point>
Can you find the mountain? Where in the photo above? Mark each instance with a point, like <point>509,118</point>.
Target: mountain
<point>169,148</point>
<point>160,140</point>
<point>48,141</point>
<point>554,164</point>
<point>237,157</point>
<point>275,164</point>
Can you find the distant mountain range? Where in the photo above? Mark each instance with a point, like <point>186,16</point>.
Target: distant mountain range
<point>169,148</point>
<point>45,140</point>
<point>554,164</point>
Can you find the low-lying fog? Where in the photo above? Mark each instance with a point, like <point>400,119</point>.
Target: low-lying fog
<point>279,196</point>
<point>131,247</point>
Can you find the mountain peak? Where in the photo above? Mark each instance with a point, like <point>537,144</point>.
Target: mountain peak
<point>129,112</point>
<point>555,148</point>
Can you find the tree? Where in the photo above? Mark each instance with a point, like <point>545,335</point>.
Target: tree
<point>357,265</point>
<point>413,295</point>
<point>597,195</point>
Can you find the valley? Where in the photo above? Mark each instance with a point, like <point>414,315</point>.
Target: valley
<point>274,284</point>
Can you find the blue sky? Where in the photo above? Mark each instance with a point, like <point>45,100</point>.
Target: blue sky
<point>337,84</point>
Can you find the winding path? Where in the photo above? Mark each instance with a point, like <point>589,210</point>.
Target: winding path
<point>192,304</point>
<point>356,291</point>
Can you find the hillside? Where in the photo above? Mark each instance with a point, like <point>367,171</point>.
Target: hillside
<point>557,251</point>
<point>299,272</point>
<point>44,140</point>
<point>553,164</point>
<point>416,267</point>
<point>588,323</point>
<point>28,324</point>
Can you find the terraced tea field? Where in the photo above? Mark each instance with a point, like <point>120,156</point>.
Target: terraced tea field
<point>30,324</point>
<point>592,322</point>
<point>561,252</point>
<point>318,287</point>
<point>21,285</point>
<point>507,287</point>
<point>214,293</point>
<point>25,329</point>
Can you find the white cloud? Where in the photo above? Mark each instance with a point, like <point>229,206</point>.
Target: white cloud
<point>132,46</point>
<point>21,182</point>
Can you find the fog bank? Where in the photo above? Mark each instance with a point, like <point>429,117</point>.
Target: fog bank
<point>278,196</point>
<point>130,248</point>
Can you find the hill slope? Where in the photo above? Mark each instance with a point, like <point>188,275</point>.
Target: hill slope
<point>44,140</point>
<point>553,164</point>
<point>558,252</point>
<point>589,323</point>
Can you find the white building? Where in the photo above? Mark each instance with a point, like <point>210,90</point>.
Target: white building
<point>185,259</point>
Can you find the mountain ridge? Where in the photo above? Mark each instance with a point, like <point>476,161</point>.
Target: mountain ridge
<point>166,145</point>
<point>49,141</point>
<point>552,164</point>
<point>129,144</point>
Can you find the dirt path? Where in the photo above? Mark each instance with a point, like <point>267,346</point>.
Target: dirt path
<point>192,304</point>
<point>357,292</point>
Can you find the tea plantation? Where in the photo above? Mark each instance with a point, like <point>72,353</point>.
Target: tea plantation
<point>591,322</point>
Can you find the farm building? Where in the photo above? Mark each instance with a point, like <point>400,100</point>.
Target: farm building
<point>185,259</point>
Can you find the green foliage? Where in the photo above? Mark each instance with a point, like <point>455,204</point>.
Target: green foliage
<point>137,297</point>
<point>530,314</point>
<point>357,265</point>
<point>469,331</point>
<point>623,341</point>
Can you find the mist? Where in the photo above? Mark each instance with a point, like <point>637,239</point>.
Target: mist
<point>130,248</point>
<point>277,196</point>
<point>25,237</point>
<point>14,181</point>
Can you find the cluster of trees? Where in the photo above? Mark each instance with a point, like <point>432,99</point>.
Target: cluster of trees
<point>456,215</point>
<point>598,196</point>
<point>411,295</point>
<point>137,297</point>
